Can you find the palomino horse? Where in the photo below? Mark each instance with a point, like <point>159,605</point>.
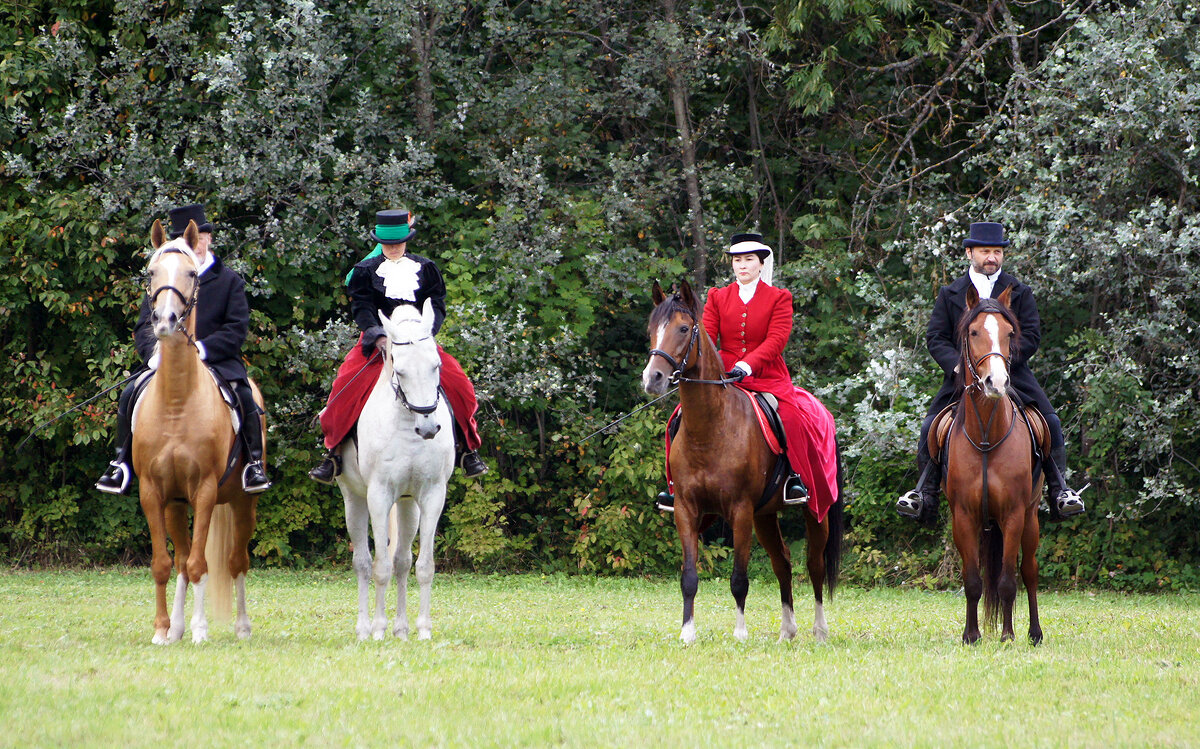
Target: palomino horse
<point>401,458</point>
<point>720,462</point>
<point>183,438</point>
<point>989,482</point>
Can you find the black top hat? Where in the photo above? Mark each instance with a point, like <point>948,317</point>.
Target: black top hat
<point>391,227</point>
<point>986,234</point>
<point>741,244</point>
<point>184,213</point>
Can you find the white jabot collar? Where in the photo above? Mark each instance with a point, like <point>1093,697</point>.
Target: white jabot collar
<point>746,290</point>
<point>401,278</point>
<point>209,259</point>
<point>983,284</point>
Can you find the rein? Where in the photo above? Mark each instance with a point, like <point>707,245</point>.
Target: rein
<point>985,446</point>
<point>678,368</point>
<point>105,391</point>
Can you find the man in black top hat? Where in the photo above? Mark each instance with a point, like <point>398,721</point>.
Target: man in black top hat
<point>222,321</point>
<point>985,253</point>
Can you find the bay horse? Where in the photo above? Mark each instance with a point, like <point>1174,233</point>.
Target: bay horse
<point>183,439</point>
<point>990,485</point>
<point>399,463</point>
<point>720,463</point>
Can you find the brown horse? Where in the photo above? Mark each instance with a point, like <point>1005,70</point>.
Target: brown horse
<point>720,463</point>
<point>989,482</point>
<point>183,437</point>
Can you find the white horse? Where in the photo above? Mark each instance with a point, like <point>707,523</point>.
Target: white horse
<point>403,458</point>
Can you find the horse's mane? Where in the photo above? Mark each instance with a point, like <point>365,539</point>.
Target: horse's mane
<point>175,245</point>
<point>985,306</point>
<point>665,311</point>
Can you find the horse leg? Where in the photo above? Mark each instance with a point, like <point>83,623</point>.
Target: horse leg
<point>197,566</point>
<point>771,538</point>
<point>245,517</point>
<point>966,538</point>
<point>358,526</point>
<point>408,515</point>
<point>160,562</point>
<point>431,503</point>
<point>1029,571</point>
<point>1007,587</point>
<point>177,528</point>
<point>739,581</point>
<point>818,536</point>
<point>379,502</point>
<point>689,581</point>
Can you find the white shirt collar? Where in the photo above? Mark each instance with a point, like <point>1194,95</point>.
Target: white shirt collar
<point>209,259</point>
<point>983,284</point>
<point>746,290</point>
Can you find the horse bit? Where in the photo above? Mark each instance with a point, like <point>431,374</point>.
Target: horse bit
<point>423,410</point>
<point>188,303</point>
<point>679,367</point>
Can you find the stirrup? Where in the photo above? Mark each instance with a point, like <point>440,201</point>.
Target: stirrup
<point>327,470</point>
<point>909,505</point>
<point>259,483</point>
<point>1069,503</point>
<point>118,478</point>
<point>793,484</point>
<point>665,501</point>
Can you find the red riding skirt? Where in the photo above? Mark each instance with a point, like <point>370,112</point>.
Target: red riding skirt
<point>356,379</point>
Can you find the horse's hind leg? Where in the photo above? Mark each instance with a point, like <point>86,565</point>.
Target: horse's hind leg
<point>245,517</point>
<point>358,526</point>
<point>739,581</point>
<point>430,512</point>
<point>771,538</point>
<point>407,517</point>
<point>818,536</point>
<point>1007,584</point>
<point>1029,572</point>
<point>177,526</point>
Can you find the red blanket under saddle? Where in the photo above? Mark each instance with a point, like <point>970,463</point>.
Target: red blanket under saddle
<point>812,449</point>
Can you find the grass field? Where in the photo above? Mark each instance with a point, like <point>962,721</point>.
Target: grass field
<point>528,660</point>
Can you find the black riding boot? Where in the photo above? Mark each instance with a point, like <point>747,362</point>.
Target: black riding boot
<point>116,479</point>
<point>1064,502</point>
<point>921,504</point>
<point>328,469</point>
<point>254,475</point>
<point>468,460</point>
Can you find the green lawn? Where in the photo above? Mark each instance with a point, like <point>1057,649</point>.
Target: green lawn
<point>527,660</point>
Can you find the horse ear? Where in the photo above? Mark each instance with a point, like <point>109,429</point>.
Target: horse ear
<point>656,294</point>
<point>157,235</point>
<point>1005,297</point>
<point>427,317</point>
<point>972,296</point>
<point>191,234</point>
<point>687,295</point>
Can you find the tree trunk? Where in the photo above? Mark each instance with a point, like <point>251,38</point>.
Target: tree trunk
<point>687,146</point>
<point>427,21</point>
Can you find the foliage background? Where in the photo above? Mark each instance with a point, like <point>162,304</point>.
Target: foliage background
<point>562,155</point>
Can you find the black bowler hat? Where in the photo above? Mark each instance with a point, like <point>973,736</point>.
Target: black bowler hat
<point>391,227</point>
<point>183,214</point>
<point>986,234</point>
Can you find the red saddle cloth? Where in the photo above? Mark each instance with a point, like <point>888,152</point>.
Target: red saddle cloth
<point>812,438</point>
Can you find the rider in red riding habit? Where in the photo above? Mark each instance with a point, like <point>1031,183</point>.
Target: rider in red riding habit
<point>752,320</point>
<point>985,253</point>
<point>386,278</point>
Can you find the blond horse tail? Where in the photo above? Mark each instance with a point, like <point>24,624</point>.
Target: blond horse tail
<point>216,553</point>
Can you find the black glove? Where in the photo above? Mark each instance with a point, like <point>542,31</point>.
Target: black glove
<point>737,373</point>
<point>369,337</point>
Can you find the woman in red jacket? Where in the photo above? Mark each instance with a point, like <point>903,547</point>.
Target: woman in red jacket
<point>750,321</point>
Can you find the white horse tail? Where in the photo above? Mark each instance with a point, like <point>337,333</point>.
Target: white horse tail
<point>393,530</point>
<point>216,552</point>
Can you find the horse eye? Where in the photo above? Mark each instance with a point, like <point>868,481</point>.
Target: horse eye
<point>682,328</point>
<point>192,274</point>
<point>974,333</point>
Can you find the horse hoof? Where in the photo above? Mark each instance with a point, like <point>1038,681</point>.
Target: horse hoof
<point>820,635</point>
<point>401,632</point>
<point>160,638</point>
<point>174,635</point>
<point>741,635</point>
<point>377,634</point>
<point>688,633</point>
<point>243,633</point>
<point>424,633</point>
<point>199,636</point>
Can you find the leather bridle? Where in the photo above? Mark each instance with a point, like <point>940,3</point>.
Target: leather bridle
<point>396,387</point>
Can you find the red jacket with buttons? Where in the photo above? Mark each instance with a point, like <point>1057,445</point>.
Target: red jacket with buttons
<point>754,333</point>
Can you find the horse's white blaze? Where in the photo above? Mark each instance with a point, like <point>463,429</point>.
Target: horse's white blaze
<point>648,372</point>
<point>820,628</point>
<point>787,628</point>
<point>172,268</point>
<point>688,633</point>
<point>995,364</point>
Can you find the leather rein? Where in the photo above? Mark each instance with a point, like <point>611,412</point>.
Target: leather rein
<point>985,446</point>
